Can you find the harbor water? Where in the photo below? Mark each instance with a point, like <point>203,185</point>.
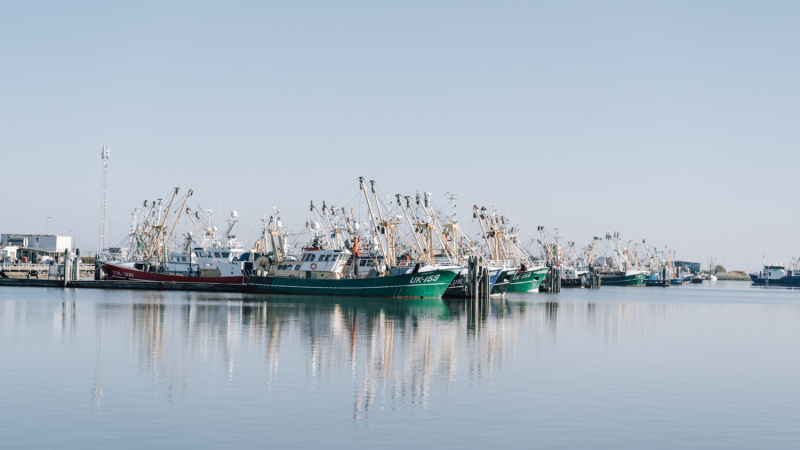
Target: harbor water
<point>696,366</point>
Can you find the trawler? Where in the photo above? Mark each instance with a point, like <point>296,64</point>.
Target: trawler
<point>517,270</point>
<point>333,265</point>
<point>628,271</point>
<point>210,257</point>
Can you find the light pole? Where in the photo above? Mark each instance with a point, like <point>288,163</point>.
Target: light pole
<point>45,224</point>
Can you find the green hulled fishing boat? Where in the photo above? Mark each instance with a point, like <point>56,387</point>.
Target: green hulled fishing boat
<point>527,281</point>
<point>430,284</point>
<point>627,278</point>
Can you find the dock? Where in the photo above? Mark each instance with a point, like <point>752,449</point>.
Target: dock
<point>129,285</point>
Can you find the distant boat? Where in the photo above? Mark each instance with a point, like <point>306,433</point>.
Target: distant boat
<point>776,275</point>
<point>627,278</point>
<point>712,270</point>
<point>697,279</point>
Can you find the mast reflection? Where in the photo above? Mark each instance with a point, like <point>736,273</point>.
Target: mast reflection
<point>395,353</point>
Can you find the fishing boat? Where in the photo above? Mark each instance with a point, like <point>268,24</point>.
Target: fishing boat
<point>627,278</point>
<point>335,265</point>
<point>209,257</point>
<point>712,270</point>
<point>503,282</point>
<point>124,272</point>
<point>458,287</point>
<point>628,270</point>
<point>527,279</point>
<point>656,279</point>
<point>325,272</point>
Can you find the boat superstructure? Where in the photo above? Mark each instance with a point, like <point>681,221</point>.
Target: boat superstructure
<point>627,270</point>
<point>155,254</point>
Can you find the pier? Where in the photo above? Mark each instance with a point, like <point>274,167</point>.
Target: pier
<point>130,285</point>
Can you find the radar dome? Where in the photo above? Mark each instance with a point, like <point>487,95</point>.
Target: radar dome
<point>234,214</point>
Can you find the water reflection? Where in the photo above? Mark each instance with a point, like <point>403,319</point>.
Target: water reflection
<point>394,353</point>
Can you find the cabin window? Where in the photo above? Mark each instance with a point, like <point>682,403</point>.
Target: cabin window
<point>225,255</point>
<point>363,263</point>
<point>216,254</point>
<point>328,258</point>
<point>183,258</point>
<point>297,267</point>
<point>311,257</point>
<point>305,257</point>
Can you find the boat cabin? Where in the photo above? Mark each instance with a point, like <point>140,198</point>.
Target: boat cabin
<point>216,262</point>
<point>774,272</point>
<point>315,263</point>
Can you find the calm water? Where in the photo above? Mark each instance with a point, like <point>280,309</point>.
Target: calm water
<point>683,367</point>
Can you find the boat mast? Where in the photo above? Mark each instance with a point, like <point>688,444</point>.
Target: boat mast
<point>159,229</point>
<point>388,252</point>
<point>371,214</point>
<point>177,218</point>
<point>418,248</point>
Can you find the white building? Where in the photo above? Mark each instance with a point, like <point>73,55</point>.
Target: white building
<point>37,248</point>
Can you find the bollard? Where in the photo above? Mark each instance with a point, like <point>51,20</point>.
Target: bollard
<point>76,275</point>
<point>67,266</point>
<point>485,283</point>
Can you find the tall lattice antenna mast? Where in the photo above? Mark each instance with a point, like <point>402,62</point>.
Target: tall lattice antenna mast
<point>104,156</point>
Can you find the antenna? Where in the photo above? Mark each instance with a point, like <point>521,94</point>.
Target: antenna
<point>104,156</point>
<point>452,197</point>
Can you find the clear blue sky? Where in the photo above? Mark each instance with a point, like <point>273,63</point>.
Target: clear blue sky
<point>672,121</point>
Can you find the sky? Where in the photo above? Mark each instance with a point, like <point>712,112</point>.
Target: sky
<point>676,122</point>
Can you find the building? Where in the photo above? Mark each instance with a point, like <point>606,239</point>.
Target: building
<point>36,248</point>
<point>691,266</point>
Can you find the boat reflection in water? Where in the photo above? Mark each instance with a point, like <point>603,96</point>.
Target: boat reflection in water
<point>391,351</point>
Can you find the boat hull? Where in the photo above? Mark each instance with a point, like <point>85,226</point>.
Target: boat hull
<point>787,281</point>
<point>502,283</point>
<point>459,286</point>
<point>527,281</point>
<point>121,273</point>
<point>420,285</point>
<point>624,280</point>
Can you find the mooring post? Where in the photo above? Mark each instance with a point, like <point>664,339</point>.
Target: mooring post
<point>471,277</point>
<point>67,265</point>
<point>77,265</point>
<point>558,281</point>
<point>485,284</point>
